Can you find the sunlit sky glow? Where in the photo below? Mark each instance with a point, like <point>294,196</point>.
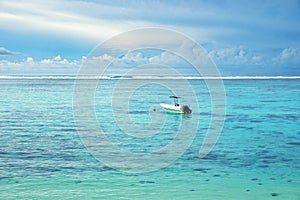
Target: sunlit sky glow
<point>243,37</point>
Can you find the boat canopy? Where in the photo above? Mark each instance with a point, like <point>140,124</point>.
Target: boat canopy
<point>174,97</point>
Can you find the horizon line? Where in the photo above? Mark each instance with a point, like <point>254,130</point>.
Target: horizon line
<point>116,77</point>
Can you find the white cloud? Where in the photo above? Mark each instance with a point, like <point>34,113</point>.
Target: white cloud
<point>241,56</point>
<point>60,65</point>
<point>206,21</point>
<point>291,54</point>
<point>230,56</point>
<point>288,57</point>
<point>236,56</point>
<point>57,58</point>
<point>137,57</point>
<point>29,60</point>
<point>56,65</point>
<point>4,51</point>
<point>53,17</point>
<point>46,61</point>
<point>166,58</point>
<point>97,21</point>
<point>257,59</point>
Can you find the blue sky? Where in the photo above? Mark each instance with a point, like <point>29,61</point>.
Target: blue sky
<point>258,37</point>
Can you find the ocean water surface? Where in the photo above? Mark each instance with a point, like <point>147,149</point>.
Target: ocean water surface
<point>256,156</point>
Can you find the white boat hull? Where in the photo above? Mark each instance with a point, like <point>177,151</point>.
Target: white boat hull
<point>171,107</point>
<point>176,108</point>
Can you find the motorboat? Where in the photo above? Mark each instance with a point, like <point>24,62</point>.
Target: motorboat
<point>176,107</point>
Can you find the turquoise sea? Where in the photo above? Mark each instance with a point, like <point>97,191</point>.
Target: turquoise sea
<point>256,156</point>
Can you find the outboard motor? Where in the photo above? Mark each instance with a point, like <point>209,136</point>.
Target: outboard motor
<point>186,109</point>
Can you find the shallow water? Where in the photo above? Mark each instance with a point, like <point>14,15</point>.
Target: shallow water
<point>256,157</point>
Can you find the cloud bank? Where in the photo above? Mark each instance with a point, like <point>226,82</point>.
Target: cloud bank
<point>230,61</point>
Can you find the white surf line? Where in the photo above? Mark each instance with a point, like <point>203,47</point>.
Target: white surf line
<point>247,77</point>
